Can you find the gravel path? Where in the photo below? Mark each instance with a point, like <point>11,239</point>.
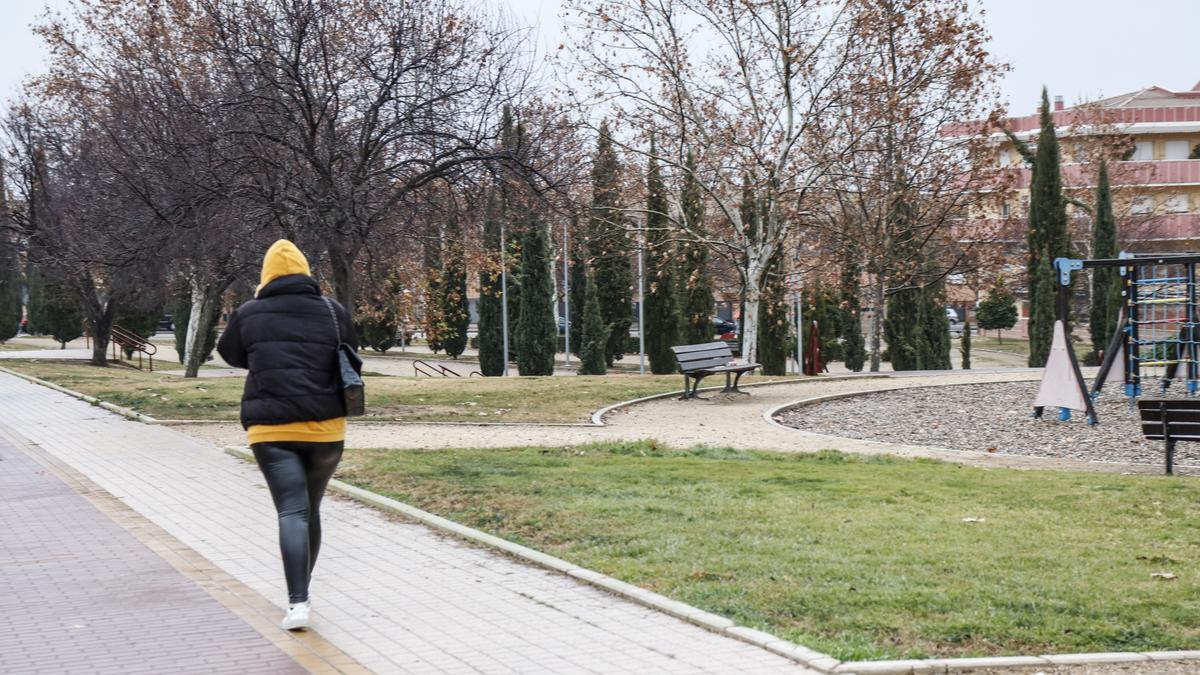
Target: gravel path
<point>990,418</point>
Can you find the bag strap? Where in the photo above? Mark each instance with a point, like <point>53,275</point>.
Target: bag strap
<point>337,327</point>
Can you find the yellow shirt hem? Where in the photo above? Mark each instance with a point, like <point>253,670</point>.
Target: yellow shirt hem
<point>323,431</point>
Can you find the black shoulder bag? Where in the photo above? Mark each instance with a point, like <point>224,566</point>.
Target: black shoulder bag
<point>349,366</point>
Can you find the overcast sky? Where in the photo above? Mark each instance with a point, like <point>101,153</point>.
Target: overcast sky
<point>1080,49</point>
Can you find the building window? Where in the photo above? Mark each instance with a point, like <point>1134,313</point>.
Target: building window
<point>1177,203</point>
<point>1143,151</point>
<point>1003,209</point>
<point>1081,155</point>
<point>1176,150</point>
<point>1141,205</point>
<point>1004,158</point>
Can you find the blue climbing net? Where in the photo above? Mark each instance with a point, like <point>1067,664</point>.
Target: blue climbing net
<point>1161,322</point>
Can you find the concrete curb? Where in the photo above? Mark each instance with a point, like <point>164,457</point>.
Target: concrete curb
<point>124,412</point>
<point>679,610</point>
<point>599,415</point>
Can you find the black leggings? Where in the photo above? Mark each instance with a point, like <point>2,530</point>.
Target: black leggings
<point>297,474</point>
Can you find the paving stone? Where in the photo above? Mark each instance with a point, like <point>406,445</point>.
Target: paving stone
<point>80,594</point>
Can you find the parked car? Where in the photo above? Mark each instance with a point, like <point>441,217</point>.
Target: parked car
<point>724,327</point>
<point>562,325</point>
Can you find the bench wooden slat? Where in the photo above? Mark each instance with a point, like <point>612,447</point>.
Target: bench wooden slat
<point>1172,415</point>
<point>1153,404</point>
<point>1177,429</point>
<point>686,349</point>
<point>706,364</point>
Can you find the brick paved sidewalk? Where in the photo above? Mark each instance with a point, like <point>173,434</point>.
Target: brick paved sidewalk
<point>80,594</point>
<point>393,595</point>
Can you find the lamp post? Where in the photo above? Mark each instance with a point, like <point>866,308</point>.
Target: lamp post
<point>566,297</point>
<point>504,295</point>
<point>641,305</point>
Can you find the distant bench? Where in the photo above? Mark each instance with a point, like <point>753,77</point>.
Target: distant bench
<point>1170,420</point>
<point>697,362</point>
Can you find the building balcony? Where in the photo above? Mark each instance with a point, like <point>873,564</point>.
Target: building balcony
<point>1163,173</point>
<point>1167,227</point>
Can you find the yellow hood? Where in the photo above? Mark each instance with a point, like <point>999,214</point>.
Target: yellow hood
<point>282,259</point>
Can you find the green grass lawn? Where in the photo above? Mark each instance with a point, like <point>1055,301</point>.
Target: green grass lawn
<point>988,340</point>
<point>409,399</point>
<point>861,558</point>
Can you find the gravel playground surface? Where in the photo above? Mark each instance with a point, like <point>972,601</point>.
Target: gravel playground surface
<point>992,418</point>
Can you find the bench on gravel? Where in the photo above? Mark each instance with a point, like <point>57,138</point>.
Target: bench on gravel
<point>1170,420</point>
<point>697,362</point>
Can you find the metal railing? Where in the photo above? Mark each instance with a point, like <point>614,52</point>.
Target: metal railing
<point>126,341</point>
<point>432,369</point>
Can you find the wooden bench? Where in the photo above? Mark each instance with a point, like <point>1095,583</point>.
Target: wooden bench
<point>697,362</point>
<point>1170,420</point>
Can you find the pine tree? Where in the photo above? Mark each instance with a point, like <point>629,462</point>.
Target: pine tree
<point>578,298</point>
<point>696,286</point>
<point>1106,283</point>
<point>662,317</point>
<point>998,311</point>
<point>594,335</point>
<point>456,309</point>
<point>536,333</point>
<point>491,328</point>
<point>10,287</point>
<point>773,326</point>
<point>965,347</point>
<point>1048,238</point>
<point>53,309</point>
<point>821,304</point>
<point>608,245</point>
<point>854,348</point>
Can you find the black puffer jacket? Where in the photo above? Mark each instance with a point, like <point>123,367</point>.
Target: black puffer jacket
<point>288,341</point>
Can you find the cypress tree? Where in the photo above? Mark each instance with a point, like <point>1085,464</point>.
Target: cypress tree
<point>696,287</point>
<point>10,288</point>
<point>1106,283</point>
<point>456,310</point>
<point>578,298</point>
<point>608,245</point>
<point>662,317</point>
<point>53,309</point>
<point>916,329</point>
<point>595,334</point>
<point>773,327</point>
<point>937,327</point>
<point>536,333</point>
<point>1048,238</point>
<point>965,347</point>
<point>854,348</point>
<point>491,328</point>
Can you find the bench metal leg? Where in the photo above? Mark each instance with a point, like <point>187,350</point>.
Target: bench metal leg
<point>687,395</point>
<point>733,388</point>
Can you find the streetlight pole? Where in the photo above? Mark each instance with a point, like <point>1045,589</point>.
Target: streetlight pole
<point>566,297</point>
<point>799,332</point>
<point>641,306</point>
<point>504,295</point>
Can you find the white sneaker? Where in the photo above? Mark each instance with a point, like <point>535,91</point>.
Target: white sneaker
<point>296,617</point>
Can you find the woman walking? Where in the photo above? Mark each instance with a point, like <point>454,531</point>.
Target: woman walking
<point>292,406</point>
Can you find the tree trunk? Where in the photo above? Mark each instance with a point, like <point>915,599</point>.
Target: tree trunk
<point>750,311</point>
<point>342,262</point>
<point>876,322</point>
<point>193,325</point>
<point>100,323</point>
<point>210,302</point>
